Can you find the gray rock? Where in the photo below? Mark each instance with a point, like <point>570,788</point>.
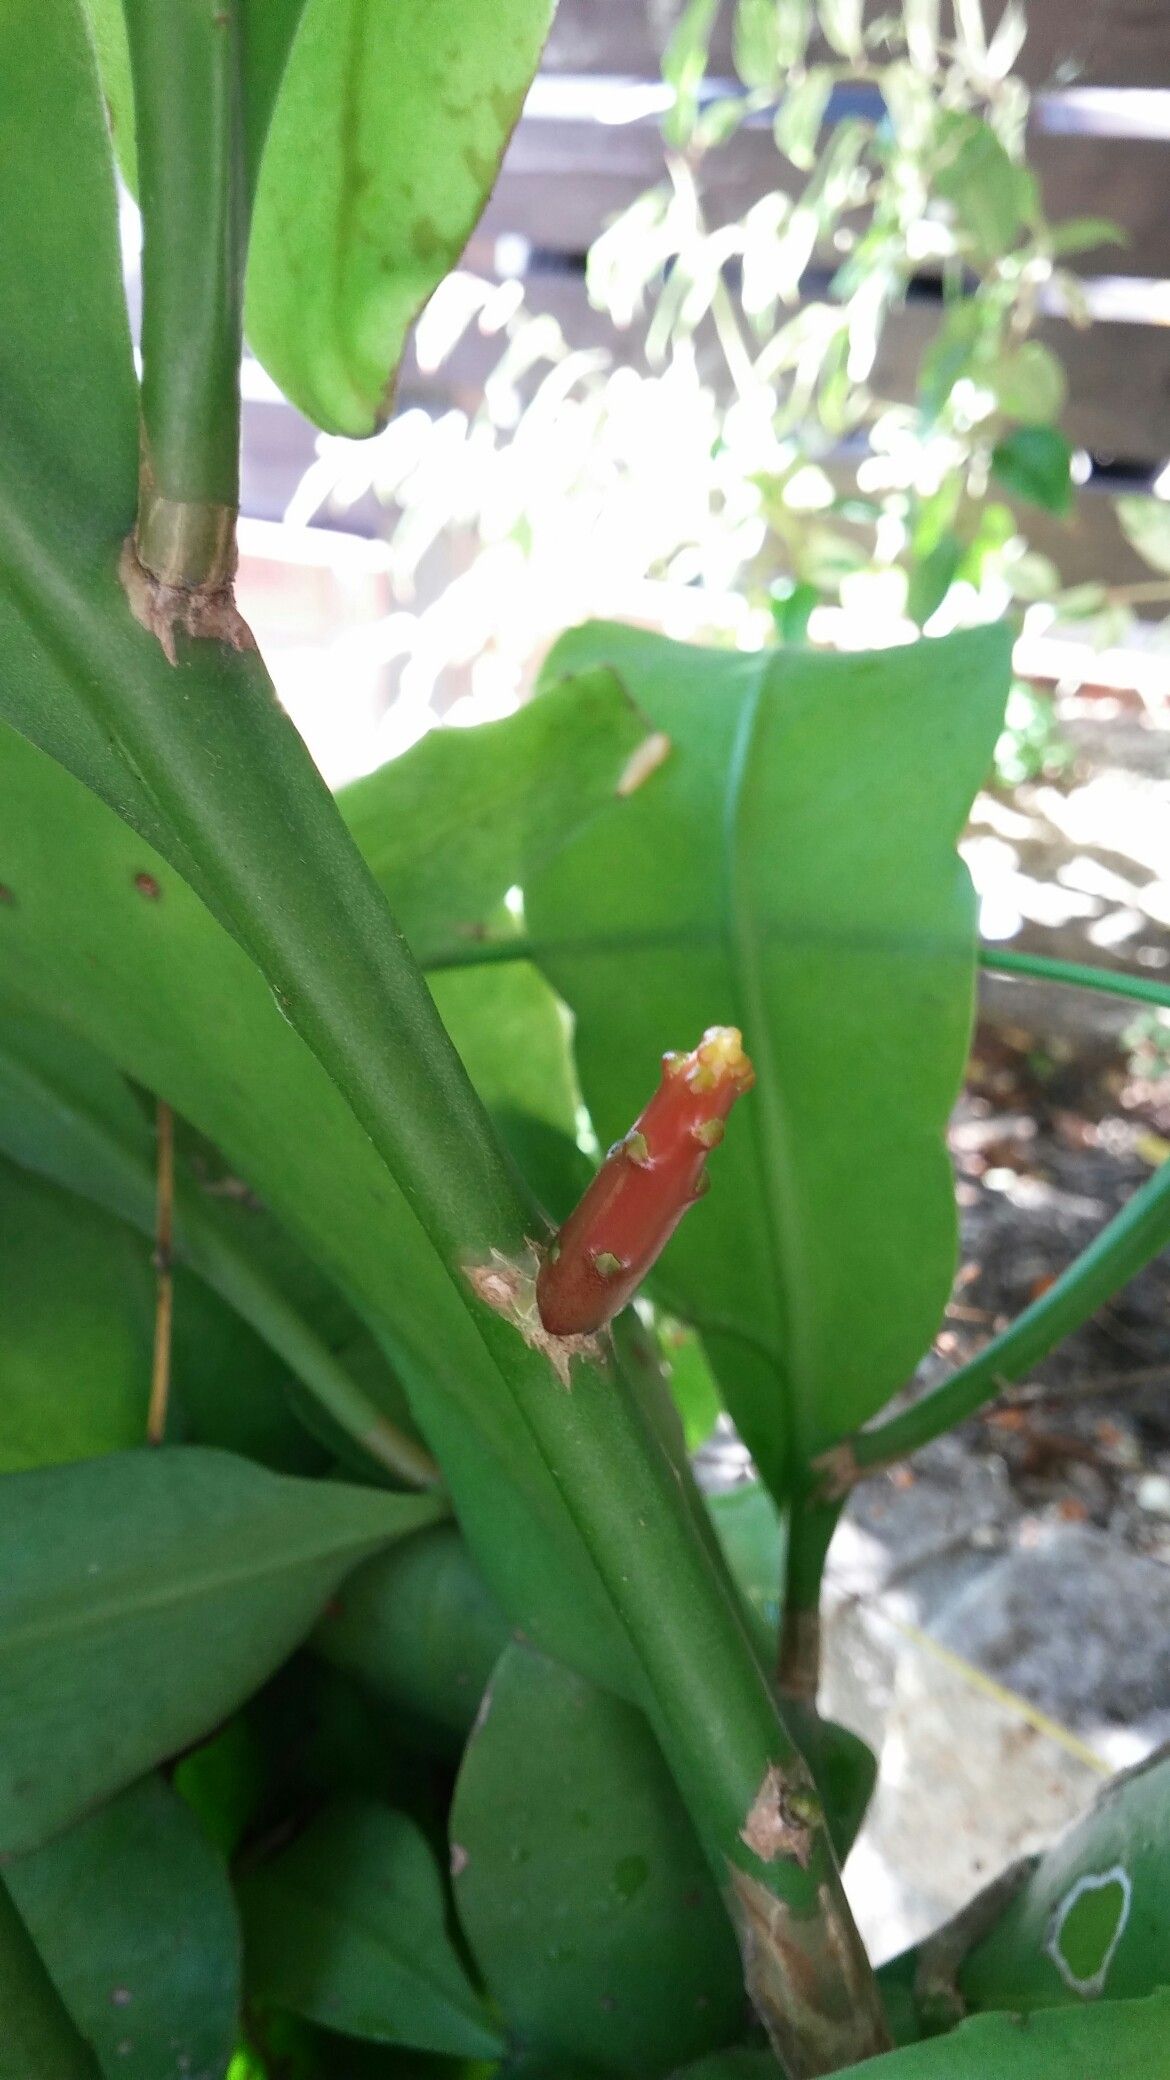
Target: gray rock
<point>1076,1624</point>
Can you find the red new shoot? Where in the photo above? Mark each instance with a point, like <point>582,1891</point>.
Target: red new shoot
<point>644,1187</point>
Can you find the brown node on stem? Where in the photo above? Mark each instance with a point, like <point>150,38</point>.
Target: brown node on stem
<point>782,1821</point>
<point>166,611</point>
<point>508,1285</point>
<point>838,1472</point>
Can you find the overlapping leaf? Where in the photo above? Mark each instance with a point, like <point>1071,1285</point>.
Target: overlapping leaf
<point>142,1597</point>
<point>347,1928</point>
<point>67,1115</point>
<point>1093,1917</point>
<point>132,1914</point>
<point>581,1888</point>
<point>76,1302</point>
<point>37,2036</point>
<point>162,989</point>
<point>419,1627</point>
<point>792,870</point>
<point>1124,2040</point>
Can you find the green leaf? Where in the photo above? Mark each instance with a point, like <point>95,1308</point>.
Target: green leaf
<point>931,578</point>
<point>952,353</point>
<point>142,1596</point>
<point>693,1386</point>
<point>841,22</point>
<point>1145,522</point>
<point>1030,383</point>
<point>684,63</point>
<point>133,1916</point>
<point>1080,234</point>
<point>513,1038</point>
<point>792,612</point>
<point>348,1928</point>
<point>382,150</point>
<point>1093,1917</point>
<point>768,38</point>
<point>223,1781</point>
<point>797,126</point>
<point>752,1534</point>
<point>159,986</point>
<point>580,1887</point>
<point>1035,463</point>
<point>37,2041</point>
<point>420,1628</point>
<point>732,2065</point>
<point>1116,2040</point>
<point>989,192</point>
<point>792,870</point>
<point>452,825</point>
<point>66,1114</point>
<point>77,1303</point>
<point>200,758</point>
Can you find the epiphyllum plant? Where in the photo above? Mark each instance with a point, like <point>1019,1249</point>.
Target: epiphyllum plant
<point>390,1595</point>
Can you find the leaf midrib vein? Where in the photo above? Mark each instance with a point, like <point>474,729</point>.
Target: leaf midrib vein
<point>771,1141</point>
<point>172,1595</point>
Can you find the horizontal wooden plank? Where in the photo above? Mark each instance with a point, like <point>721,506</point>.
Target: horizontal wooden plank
<point>563,181</point>
<point>1119,375</point>
<point>1123,43</point>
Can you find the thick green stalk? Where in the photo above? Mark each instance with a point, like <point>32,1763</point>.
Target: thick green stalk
<point>1109,980</point>
<point>189,118</point>
<point>236,794</point>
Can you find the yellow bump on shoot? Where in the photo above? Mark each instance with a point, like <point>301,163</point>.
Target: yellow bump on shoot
<point>709,1133</point>
<point>606,1264</point>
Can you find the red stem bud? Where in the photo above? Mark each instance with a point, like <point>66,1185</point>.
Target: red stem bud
<point>643,1188</point>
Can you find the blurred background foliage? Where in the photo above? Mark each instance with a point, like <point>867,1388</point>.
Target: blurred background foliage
<point>745,476</point>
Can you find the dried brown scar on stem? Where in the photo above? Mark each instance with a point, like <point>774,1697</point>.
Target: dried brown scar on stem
<point>783,1820</point>
<point>838,1472</point>
<point>643,760</point>
<point>508,1284</point>
<point>166,611</point>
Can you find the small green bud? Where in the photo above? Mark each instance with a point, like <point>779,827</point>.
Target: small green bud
<point>806,1807</point>
<point>606,1264</point>
<point>709,1133</point>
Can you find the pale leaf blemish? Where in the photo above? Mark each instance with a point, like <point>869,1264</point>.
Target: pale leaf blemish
<point>1086,1927</point>
<point>459,1859</point>
<point>643,760</point>
<point>508,1285</point>
<point>782,1820</point>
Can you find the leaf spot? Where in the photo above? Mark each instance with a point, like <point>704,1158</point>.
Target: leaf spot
<point>1087,1925</point>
